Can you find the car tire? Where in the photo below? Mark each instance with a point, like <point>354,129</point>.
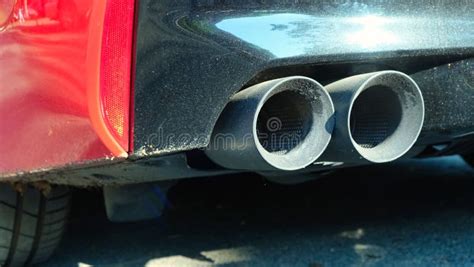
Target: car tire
<point>31,223</point>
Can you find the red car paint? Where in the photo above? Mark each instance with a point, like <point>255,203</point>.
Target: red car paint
<point>64,82</point>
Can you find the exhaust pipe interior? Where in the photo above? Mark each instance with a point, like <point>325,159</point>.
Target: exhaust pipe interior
<point>375,115</point>
<point>283,124</point>
<point>283,115</point>
<point>379,117</point>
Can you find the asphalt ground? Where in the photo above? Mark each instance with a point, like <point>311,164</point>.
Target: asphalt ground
<point>409,213</point>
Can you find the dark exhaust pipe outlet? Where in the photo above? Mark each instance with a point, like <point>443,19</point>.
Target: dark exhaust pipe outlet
<point>282,124</point>
<point>379,117</point>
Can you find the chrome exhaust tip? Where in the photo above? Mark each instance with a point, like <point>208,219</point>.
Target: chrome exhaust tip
<point>379,117</point>
<point>282,124</point>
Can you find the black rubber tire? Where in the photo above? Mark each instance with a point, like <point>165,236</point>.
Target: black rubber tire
<point>31,224</point>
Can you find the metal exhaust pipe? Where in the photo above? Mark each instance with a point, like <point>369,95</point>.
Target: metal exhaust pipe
<point>282,124</point>
<point>379,117</point>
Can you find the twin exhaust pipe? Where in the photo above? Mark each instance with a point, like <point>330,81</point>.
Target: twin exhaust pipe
<point>290,123</point>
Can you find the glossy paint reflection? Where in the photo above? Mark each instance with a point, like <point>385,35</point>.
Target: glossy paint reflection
<point>6,9</point>
<point>373,32</point>
<point>44,116</point>
<point>292,34</point>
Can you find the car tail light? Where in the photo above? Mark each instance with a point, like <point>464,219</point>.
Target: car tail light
<point>115,69</point>
<point>112,87</point>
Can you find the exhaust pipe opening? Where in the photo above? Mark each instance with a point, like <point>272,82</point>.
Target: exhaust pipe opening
<point>282,124</point>
<point>375,116</point>
<point>379,117</point>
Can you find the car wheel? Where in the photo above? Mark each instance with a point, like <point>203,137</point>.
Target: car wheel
<point>31,223</point>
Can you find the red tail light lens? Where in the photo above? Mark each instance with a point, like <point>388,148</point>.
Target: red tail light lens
<point>109,65</point>
<point>115,68</point>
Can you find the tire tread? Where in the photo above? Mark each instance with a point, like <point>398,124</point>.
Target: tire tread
<point>36,226</point>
